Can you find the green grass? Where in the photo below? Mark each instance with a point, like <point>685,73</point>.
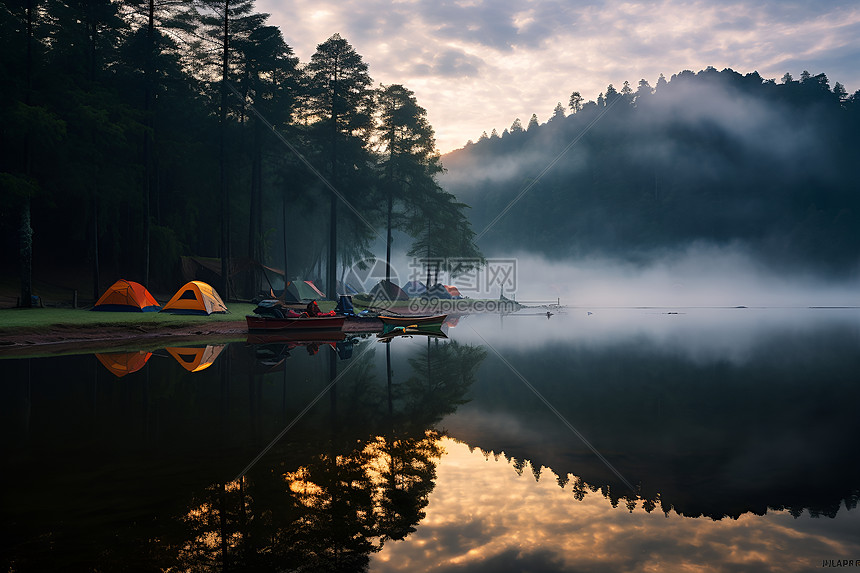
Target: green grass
<point>46,318</point>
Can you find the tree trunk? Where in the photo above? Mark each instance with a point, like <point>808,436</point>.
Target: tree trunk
<point>26,237</point>
<point>331,278</point>
<point>225,194</point>
<point>388,240</point>
<point>147,139</point>
<point>286,247</point>
<point>26,231</point>
<point>95,239</point>
<point>255,222</point>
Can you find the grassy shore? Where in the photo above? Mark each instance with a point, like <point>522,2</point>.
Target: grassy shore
<point>16,319</point>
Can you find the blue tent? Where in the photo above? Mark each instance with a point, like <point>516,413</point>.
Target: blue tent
<point>414,288</point>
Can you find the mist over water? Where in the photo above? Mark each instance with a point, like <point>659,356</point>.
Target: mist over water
<point>699,275</point>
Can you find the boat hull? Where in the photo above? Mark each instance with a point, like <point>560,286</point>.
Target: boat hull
<point>270,324</point>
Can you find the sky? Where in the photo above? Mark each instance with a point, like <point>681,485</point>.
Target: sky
<point>476,65</point>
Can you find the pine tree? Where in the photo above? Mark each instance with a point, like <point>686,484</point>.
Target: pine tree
<point>341,101</point>
<point>575,104</point>
<point>409,161</point>
<point>223,22</point>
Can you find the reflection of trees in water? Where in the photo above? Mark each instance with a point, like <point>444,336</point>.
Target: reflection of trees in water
<point>618,495</point>
<point>441,376</point>
<point>771,429</point>
<point>329,514</point>
<point>353,474</point>
<point>367,481</point>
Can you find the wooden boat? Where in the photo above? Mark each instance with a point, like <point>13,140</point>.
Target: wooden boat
<point>268,323</point>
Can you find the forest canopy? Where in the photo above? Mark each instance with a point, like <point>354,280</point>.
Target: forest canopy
<point>133,132</point>
<point>715,157</point>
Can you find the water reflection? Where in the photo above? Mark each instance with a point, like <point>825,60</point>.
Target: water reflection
<point>102,471</point>
<point>703,435</point>
<point>133,458</point>
<point>487,515</point>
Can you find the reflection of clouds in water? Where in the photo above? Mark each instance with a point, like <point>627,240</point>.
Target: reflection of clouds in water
<point>483,517</point>
<point>701,335</point>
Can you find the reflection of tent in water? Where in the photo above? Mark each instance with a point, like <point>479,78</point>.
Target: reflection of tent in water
<point>196,359</point>
<point>195,297</point>
<point>122,363</point>
<point>298,291</point>
<point>127,296</point>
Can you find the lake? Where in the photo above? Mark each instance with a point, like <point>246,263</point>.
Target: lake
<point>607,439</point>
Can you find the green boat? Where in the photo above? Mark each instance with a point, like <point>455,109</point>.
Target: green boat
<point>413,323</point>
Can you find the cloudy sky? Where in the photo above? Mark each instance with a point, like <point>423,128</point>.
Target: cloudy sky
<point>476,65</point>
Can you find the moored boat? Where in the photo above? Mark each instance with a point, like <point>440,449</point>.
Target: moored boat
<point>269,323</point>
<point>412,323</point>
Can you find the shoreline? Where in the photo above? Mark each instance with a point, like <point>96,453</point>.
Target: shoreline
<point>81,339</point>
<point>74,339</point>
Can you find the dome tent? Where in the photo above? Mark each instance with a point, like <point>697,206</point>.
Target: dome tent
<point>127,296</point>
<point>195,297</point>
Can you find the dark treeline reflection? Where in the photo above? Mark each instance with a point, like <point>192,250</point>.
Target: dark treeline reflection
<point>713,436</point>
<point>145,471</point>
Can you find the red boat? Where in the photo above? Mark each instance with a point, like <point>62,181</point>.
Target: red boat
<point>268,323</point>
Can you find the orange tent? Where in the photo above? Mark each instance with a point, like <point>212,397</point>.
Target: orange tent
<point>122,363</point>
<point>196,359</point>
<point>127,296</point>
<point>195,298</point>
<point>453,291</point>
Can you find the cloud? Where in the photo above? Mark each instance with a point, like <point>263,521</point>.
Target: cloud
<point>451,63</point>
<point>531,526</point>
<point>522,57</point>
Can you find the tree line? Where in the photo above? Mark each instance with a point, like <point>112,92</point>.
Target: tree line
<point>136,131</point>
<point>714,156</point>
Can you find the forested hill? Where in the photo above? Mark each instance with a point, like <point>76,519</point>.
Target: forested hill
<point>713,156</point>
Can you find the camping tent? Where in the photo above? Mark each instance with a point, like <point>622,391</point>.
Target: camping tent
<point>127,296</point>
<point>387,290</point>
<point>195,298</point>
<point>122,363</point>
<point>298,291</point>
<point>196,359</point>
<point>438,291</point>
<point>346,288</point>
<point>414,288</point>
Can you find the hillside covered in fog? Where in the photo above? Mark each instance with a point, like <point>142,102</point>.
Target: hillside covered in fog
<point>713,157</point>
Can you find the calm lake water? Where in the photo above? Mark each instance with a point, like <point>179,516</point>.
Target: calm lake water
<point>616,440</point>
